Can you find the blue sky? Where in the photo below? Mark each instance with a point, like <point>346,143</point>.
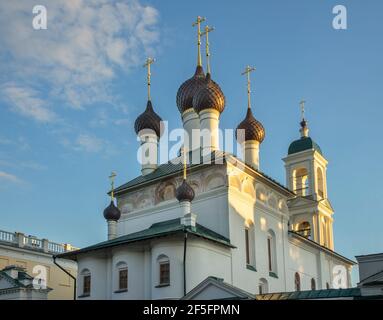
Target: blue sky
<point>69,96</point>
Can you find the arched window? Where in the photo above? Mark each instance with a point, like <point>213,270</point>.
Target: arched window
<point>163,270</point>
<point>327,285</point>
<point>320,183</point>
<point>247,245</point>
<point>313,284</point>
<point>297,281</point>
<point>301,182</point>
<point>304,229</point>
<point>263,286</point>
<point>122,276</point>
<point>324,232</point>
<point>250,245</point>
<point>86,282</point>
<point>271,252</point>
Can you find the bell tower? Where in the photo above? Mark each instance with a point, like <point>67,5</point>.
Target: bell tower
<point>306,169</point>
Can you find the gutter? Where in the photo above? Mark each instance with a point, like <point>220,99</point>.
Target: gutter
<point>184,262</point>
<point>69,274</point>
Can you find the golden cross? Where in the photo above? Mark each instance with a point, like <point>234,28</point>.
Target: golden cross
<point>111,177</point>
<point>302,104</point>
<point>147,64</point>
<point>247,72</point>
<point>206,32</point>
<point>184,162</point>
<point>198,24</point>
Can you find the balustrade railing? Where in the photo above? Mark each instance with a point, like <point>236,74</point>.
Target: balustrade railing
<point>31,242</point>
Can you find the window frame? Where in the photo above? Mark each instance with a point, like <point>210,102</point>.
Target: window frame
<point>272,253</point>
<point>247,246</point>
<point>269,252</point>
<point>313,284</point>
<point>125,281</point>
<point>164,280</point>
<point>163,261</point>
<point>86,283</point>
<point>263,286</point>
<point>297,282</point>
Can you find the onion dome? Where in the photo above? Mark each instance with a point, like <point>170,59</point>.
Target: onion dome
<point>254,130</point>
<point>111,212</point>
<point>209,96</point>
<point>188,89</point>
<point>185,192</point>
<point>302,144</point>
<point>148,120</point>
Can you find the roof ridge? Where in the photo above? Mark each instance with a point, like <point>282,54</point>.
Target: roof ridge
<point>170,168</point>
<point>164,228</point>
<point>16,282</point>
<point>370,276</point>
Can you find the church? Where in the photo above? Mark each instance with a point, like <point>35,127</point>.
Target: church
<point>209,216</point>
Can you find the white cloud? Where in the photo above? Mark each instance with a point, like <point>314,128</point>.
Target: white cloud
<point>74,60</point>
<point>10,178</point>
<point>30,165</point>
<point>26,102</point>
<point>103,119</point>
<point>85,142</point>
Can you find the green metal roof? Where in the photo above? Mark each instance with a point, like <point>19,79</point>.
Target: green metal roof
<point>159,229</point>
<point>302,144</point>
<point>311,294</point>
<point>173,168</point>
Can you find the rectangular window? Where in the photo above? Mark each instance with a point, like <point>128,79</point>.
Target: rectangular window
<point>247,246</point>
<point>86,288</point>
<point>164,273</point>
<point>269,253</point>
<point>123,279</point>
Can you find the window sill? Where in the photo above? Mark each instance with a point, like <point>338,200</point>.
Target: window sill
<point>121,291</point>
<point>162,285</point>
<point>250,267</point>
<point>84,295</point>
<point>273,274</point>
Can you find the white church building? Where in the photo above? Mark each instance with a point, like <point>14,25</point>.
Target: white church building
<point>225,219</point>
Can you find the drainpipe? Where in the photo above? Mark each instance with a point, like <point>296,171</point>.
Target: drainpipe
<point>69,274</point>
<point>185,243</point>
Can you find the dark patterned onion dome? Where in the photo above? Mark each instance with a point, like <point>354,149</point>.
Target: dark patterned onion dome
<point>209,96</point>
<point>254,130</point>
<point>148,120</point>
<point>303,144</point>
<point>185,192</point>
<point>188,89</point>
<point>111,212</point>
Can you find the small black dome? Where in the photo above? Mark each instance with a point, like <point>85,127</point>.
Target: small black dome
<point>148,120</point>
<point>303,123</point>
<point>185,192</point>
<point>209,96</point>
<point>188,89</point>
<point>111,212</point>
<point>254,130</point>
